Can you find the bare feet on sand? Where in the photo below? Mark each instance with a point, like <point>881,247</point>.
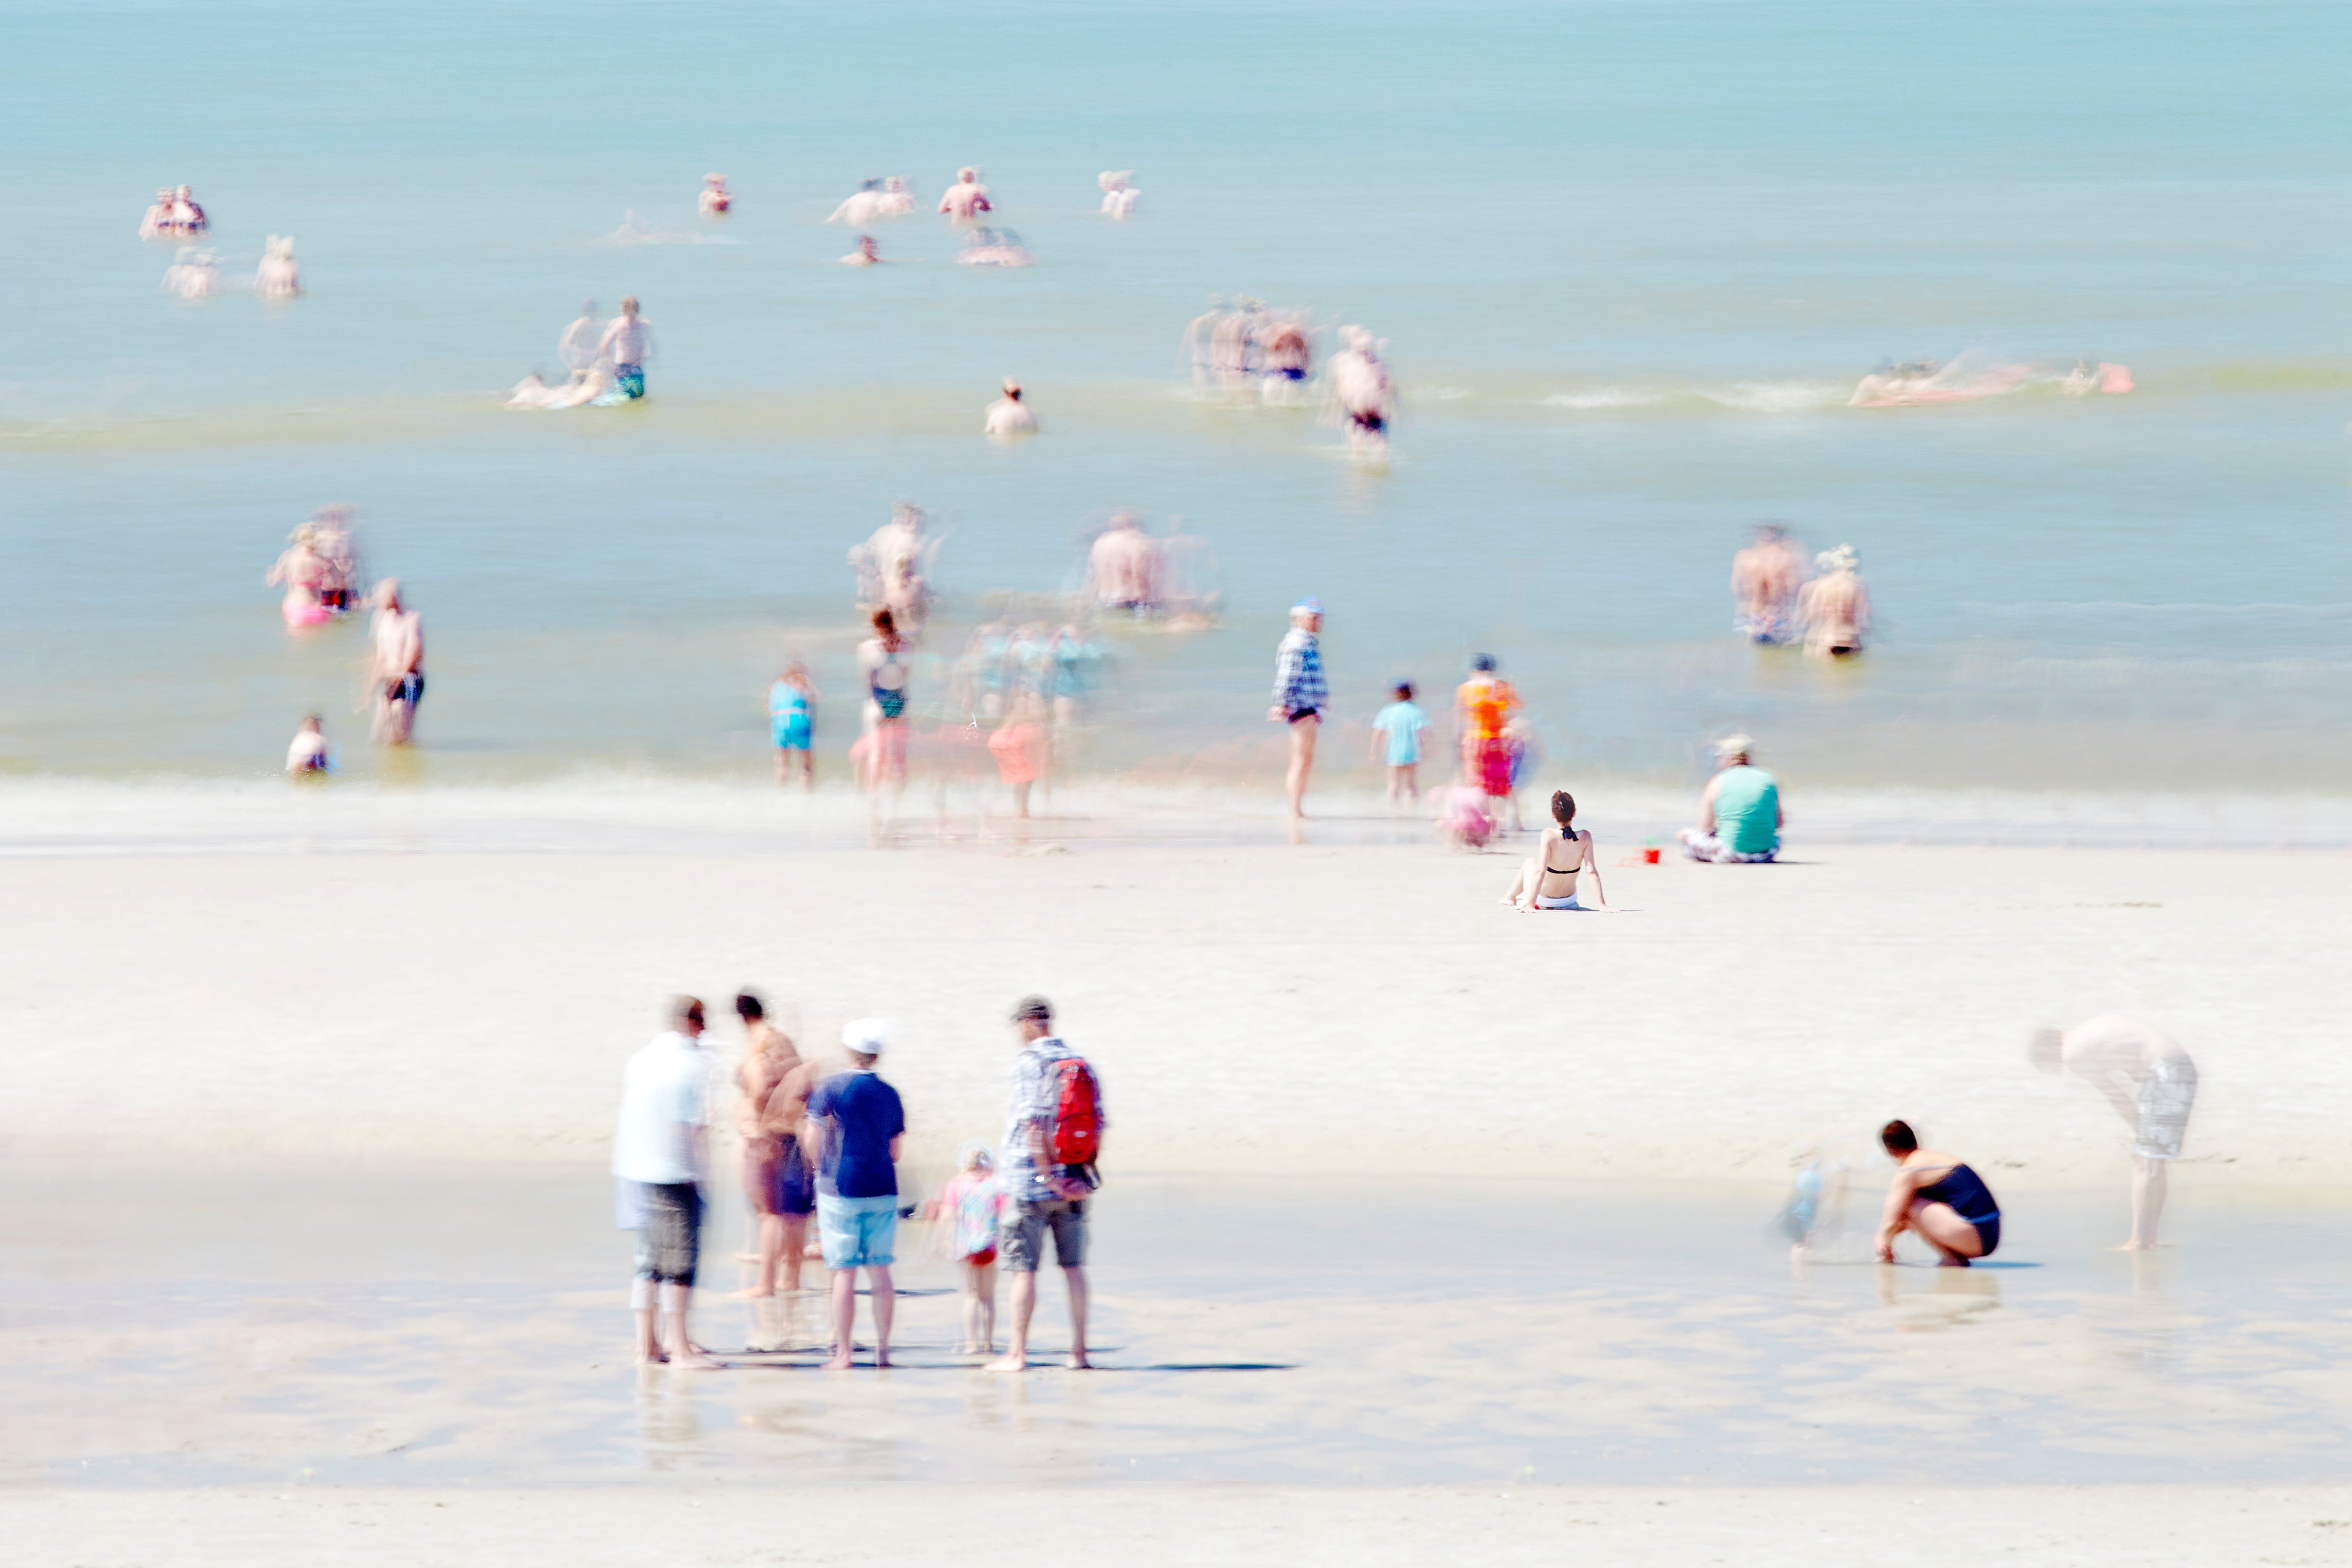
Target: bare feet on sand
<point>750,1293</point>
<point>695,1361</point>
<point>1008,1363</point>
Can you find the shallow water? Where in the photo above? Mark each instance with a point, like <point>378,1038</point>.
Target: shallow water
<point>1627,258</point>
<point>226,1328</point>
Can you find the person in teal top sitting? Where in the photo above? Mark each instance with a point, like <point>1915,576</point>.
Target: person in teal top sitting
<point>1739,816</point>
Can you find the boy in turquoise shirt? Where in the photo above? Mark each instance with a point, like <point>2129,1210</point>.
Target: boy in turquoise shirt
<point>1402,722</point>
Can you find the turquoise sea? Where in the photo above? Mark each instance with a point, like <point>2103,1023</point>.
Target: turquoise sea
<point>1629,259</point>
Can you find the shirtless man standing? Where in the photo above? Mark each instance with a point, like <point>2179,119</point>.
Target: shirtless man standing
<point>1765,581</point>
<point>1125,568</point>
<point>1360,387</point>
<point>967,198</point>
<point>396,664</point>
<point>1835,608</point>
<point>2152,1084</point>
<point>775,1179</point>
<point>627,342</point>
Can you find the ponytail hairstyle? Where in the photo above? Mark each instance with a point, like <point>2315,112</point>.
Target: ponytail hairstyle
<point>1563,809</point>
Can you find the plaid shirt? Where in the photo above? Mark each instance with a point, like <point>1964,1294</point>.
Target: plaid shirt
<point>1298,673</point>
<point>1031,1106</point>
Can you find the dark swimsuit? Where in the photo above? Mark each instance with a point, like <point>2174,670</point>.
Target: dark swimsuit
<point>1964,1191</point>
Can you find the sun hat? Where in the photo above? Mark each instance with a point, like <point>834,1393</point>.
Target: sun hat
<point>1033,1007</point>
<point>866,1037</point>
<point>1309,606</point>
<point>1734,746</point>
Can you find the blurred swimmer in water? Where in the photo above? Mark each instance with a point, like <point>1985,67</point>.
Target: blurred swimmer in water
<point>1009,416</point>
<point>897,201</point>
<point>304,571</point>
<point>628,343</point>
<point>993,247</point>
<point>893,569</point>
<point>715,201</point>
<point>187,219</point>
<point>1118,197</point>
<point>1232,347</point>
<point>308,757</point>
<point>967,198</point>
<point>1766,578</point>
<point>1284,359</point>
<point>577,348</point>
<point>1200,341</point>
<point>1359,391</point>
<point>585,386</point>
<point>1835,608</point>
<point>331,537</point>
<point>157,223</point>
<point>1126,567</point>
<point>863,206</point>
<point>396,664</point>
<point>279,277</point>
<point>1923,381</point>
<point>193,275</point>
<point>866,254</point>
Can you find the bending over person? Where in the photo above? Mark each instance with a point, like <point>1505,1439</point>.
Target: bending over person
<point>1938,1199</point>
<point>1543,883</point>
<point>2152,1084</point>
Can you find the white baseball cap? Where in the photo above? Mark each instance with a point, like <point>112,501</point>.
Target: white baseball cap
<point>866,1037</point>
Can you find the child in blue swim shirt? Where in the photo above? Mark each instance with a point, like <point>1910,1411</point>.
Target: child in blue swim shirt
<point>1402,721</point>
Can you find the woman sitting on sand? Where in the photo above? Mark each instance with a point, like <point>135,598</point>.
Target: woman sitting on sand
<point>1938,1199</point>
<point>1548,879</point>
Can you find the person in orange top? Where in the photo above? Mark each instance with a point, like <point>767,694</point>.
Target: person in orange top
<point>1483,705</point>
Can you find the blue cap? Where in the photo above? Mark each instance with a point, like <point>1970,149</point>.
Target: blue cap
<point>1311,605</point>
<point>1483,661</point>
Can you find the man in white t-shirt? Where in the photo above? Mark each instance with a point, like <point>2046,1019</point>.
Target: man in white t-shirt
<point>657,1159</point>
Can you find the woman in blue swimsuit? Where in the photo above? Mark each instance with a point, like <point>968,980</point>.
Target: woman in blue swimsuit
<point>1938,1199</point>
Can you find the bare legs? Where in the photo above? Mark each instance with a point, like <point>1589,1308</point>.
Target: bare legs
<point>772,1247</point>
<point>794,1247</point>
<point>980,1308</point>
<point>845,1314</point>
<point>680,1352</point>
<point>1302,760</point>
<point>1024,1307</point>
<point>1953,1239</point>
<point>2148,1184</point>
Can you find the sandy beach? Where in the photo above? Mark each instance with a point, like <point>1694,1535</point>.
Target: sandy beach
<point>1252,1009</point>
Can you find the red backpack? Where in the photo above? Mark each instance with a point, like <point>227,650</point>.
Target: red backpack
<point>1076,1135</point>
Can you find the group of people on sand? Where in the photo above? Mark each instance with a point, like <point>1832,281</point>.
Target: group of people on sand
<point>826,1142</point>
<point>320,570</point>
<point>1776,600</point>
<point>604,362</point>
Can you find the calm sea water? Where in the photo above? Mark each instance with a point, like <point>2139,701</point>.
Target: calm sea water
<point>1629,258</point>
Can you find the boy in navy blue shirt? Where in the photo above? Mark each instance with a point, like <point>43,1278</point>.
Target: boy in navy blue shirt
<point>855,1127</point>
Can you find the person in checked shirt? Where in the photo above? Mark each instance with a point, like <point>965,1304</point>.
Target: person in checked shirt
<point>1299,694</point>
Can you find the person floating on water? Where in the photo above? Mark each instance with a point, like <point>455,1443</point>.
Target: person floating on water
<point>985,246</point>
<point>193,275</point>
<point>1120,197</point>
<point>716,200</point>
<point>1739,816</point>
<point>1766,578</point>
<point>967,198</point>
<point>2152,1084</point>
<point>863,205</point>
<point>868,253</point>
<point>1008,415</point>
<point>1547,879</point>
<point>1938,1199</point>
<point>156,224</point>
<point>1834,607</point>
<point>628,343</point>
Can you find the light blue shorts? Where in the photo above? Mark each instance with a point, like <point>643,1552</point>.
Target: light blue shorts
<point>858,1233</point>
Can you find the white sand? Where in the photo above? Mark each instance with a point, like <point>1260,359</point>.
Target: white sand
<point>768,1520</point>
<point>1251,1009</point>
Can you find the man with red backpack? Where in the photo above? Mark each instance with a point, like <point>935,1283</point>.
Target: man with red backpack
<point>1053,1130</point>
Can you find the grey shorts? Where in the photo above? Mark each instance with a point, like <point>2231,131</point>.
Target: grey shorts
<point>2165,1098</point>
<point>669,1241</point>
<point>1021,1234</point>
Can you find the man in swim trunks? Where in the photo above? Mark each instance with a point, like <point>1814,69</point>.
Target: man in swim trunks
<point>627,342</point>
<point>1300,695</point>
<point>1835,608</point>
<point>1765,579</point>
<point>1359,386</point>
<point>396,655</point>
<point>1739,816</point>
<point>1483,706</point>
<point>967,198</point>
<point>2152,1084</point>
<point>768,1116</point>
<point>1124,567</point>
